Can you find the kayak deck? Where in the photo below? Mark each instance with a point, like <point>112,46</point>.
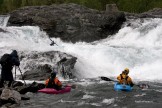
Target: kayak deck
<point>54,91</point>
<point>122,87</point>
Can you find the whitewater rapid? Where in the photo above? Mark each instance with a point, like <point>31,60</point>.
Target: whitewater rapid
<point>137,46</point>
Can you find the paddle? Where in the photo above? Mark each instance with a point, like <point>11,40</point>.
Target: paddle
<point>108,79</point>
<point>52,42</point>
<point>142,86</point>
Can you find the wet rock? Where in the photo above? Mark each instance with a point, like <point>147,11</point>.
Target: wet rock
<point>39,73</point>
<point>22,89</point>
<point>11,96</point>
<point>17,83</point>
<point>66,67</point>
<point>70,22</point>
<point>39,65</point>
<point>23,97</point>
<point>34,87</point>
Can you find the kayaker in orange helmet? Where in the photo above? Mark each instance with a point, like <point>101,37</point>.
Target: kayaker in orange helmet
<point>53,82</point>
<point>123,78</point>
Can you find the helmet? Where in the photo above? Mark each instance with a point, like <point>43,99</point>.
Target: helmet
<point>53,74</point>
<point>126,70</point>
<point>14,53</point>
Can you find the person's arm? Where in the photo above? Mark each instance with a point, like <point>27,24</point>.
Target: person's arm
<point>46,82</point>
<point>119,78</point>
<point>15,61</point>
<point>130,82</point>
<point>58,83</point>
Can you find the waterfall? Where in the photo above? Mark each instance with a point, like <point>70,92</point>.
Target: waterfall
<point>4,20</point>
<point>137,46</point>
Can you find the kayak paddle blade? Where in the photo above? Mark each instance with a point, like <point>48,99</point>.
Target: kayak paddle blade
<point>106,79</point>
<point>143,86</point>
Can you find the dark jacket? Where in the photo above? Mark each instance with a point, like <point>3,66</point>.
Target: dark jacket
<point>6,73</point>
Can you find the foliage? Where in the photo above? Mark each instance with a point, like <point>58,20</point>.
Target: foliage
<point>134,6</point>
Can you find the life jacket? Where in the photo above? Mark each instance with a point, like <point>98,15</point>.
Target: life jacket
<point>123,78</point>
<point>53,83</point>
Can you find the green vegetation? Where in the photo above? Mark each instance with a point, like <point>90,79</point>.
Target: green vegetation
<point>134,6</point>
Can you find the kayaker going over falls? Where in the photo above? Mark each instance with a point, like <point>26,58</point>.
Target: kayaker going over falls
<point>53,82</point>
<point>123,78</point>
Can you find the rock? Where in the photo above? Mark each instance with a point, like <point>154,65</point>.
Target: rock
<point>11,95</point>
<point>111,8</point>
<point>22,89</point>
<point>17,83</point>
<point>34,87</point>
<point>39,65</point>
<point>23,97</point>
<point>70,22</point>
<point>66,67</point>
<point>154,13</point>
<point>41,72</point>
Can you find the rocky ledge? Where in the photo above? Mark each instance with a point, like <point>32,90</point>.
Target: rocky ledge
<point>70,22</point>
<point>154,13</point>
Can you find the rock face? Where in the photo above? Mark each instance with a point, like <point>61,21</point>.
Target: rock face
<point>39,65</point>
<point>154,13</point>
<point>70,22</point>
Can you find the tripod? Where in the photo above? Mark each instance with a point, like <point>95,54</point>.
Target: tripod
<point>20,73</point>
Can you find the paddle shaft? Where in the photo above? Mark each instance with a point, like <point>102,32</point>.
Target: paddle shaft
<point>15,72</point>
<point>140,85</point>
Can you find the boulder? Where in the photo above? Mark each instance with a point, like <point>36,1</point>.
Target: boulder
<point>70,22</point>
<point>11,95</point>
<point>39,65</point>
<point>34,87</point>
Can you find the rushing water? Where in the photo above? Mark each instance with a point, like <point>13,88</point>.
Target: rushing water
<point>138,47</point>
<point>95,93</point>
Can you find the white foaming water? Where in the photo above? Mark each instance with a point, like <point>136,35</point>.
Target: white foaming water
<point>3,20</point>
<point>138,48</point>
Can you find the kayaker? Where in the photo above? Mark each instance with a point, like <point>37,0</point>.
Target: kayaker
<point>123,78</point>
<point>53,82</point>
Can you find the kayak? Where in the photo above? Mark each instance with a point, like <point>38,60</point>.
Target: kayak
<point>122,87</point>
<point>54,91</point>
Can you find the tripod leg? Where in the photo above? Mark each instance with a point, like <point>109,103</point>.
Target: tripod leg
<point>15,72</point>
<point>22,76</point>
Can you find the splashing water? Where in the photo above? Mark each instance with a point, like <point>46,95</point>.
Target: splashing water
<point>3,20</point>
<point>137,47</point>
